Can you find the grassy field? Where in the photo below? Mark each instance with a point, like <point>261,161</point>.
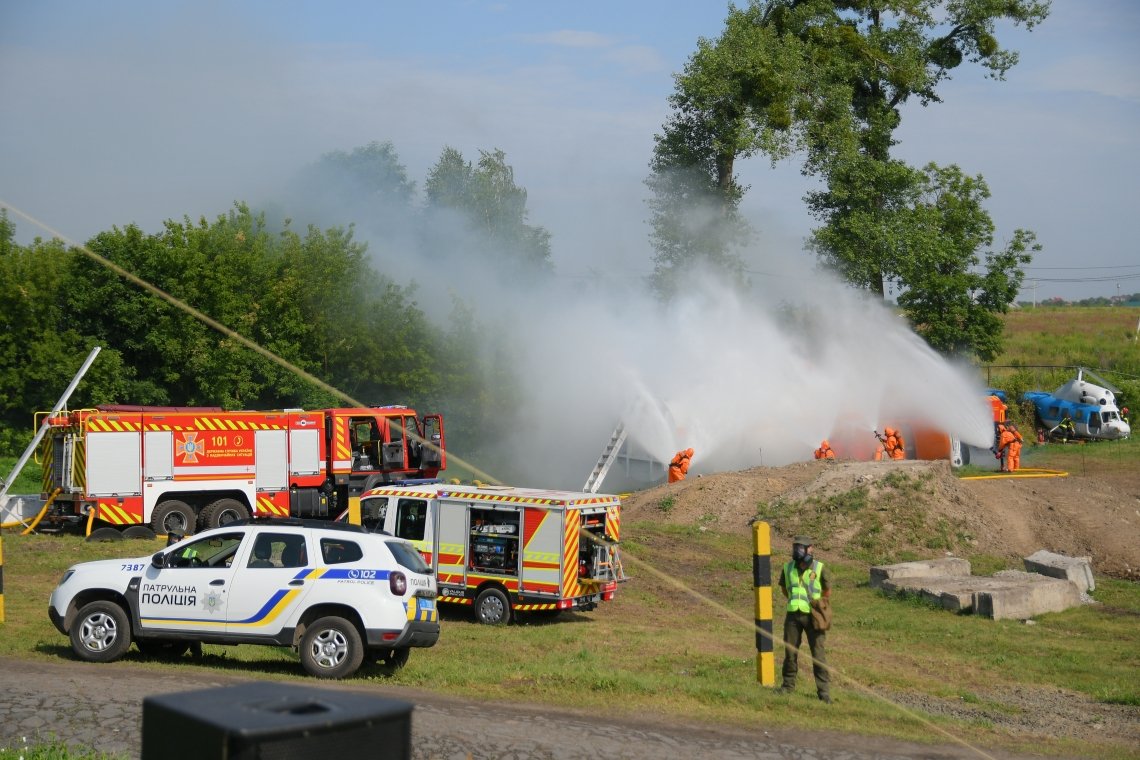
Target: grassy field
<point>678,642</point>
<point>1103,338</point>
<point>673,653</point>
<point>29,479</point>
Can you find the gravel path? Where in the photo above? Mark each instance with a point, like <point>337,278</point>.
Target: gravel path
<point>100,707</point>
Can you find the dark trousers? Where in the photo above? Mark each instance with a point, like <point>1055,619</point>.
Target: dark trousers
<point>796,624</point>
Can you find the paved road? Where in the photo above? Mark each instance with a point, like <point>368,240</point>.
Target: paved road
<point>100,707</point>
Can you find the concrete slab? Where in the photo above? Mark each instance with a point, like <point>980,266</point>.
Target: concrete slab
<point>1077,570</point>
<point>1025,595</point>
<point>1009,594</point>
<point>928,568</point>
<point>955,594</point>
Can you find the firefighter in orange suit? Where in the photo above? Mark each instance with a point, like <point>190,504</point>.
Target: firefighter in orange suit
<point>1005,438</point>
<point>1009,445</point>
<point>1015,449</point>
<point>679,467</point>
<point>890,443</point>
<point>825,451</point>
<point>899,449</point>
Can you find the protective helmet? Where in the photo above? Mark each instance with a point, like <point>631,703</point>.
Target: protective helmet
<point>689,453</point>
<point>889,431</point>
<point>825,445</point>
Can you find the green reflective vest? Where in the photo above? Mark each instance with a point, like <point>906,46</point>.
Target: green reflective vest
<point>802,589</point>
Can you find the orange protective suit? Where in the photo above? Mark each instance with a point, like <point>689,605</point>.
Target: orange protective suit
<point>898,451</point>
<point>1013,462</point>
<point>1005,441</point>
<point>679,466</point>
<point>891,444</point>
<point>825,451</point>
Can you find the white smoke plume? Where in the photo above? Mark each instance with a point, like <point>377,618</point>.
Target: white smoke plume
<point>744,379</point>
<point>734,378</point>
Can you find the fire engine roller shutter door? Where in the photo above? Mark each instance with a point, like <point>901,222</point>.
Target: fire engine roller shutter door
<point>305,452</point>
<point>158,455</point>
<point>113,463</point>
<point>272,453</point>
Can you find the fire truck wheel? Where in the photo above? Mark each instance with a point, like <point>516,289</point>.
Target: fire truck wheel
<point>331,648</point>
<point>223,512</point>
<point>101,632</point>
<point>173,516</point>
<point>105,534</point>
<point>492,607</point>
<point>139,531</point>
<point>390,660</point>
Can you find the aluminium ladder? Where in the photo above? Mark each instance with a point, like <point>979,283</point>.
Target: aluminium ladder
<point>606,460</point>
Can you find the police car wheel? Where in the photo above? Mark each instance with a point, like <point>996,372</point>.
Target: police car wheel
<point>331,648</point>
<point>390,660</point>
<point>101,632</point>
<point>492,607</point>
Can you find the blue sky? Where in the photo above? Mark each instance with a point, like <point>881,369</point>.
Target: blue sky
<point>126,112</point>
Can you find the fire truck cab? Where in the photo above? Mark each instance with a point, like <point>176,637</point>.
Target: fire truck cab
<point>175,470</point>
<point>503,550</point>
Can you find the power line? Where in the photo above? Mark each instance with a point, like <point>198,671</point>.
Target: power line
<point>1106,278</point>
<point>1114,266</point>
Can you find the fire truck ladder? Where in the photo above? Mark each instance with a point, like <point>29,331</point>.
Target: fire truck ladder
<point>606,460</point>
<point>607,563</point>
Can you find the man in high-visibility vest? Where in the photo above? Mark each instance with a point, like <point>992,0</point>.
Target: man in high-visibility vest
<point>805,581</point>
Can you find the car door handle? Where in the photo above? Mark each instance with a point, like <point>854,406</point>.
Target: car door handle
<point>219,582</point>
<point>297,582</point>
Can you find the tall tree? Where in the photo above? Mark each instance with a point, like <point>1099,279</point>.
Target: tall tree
<point>828,78</point>
<point>952,286</point>
<point>490,204</point>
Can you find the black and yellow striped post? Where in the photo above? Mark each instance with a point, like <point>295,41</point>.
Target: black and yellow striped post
<point>762,582</point>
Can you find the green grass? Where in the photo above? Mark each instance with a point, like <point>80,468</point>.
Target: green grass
<point>1102,338</point>
<point>887,520</point>
<point>1088,458</point>
<point>52,750</point>
<point>29,479</point>
<point>678,643</point>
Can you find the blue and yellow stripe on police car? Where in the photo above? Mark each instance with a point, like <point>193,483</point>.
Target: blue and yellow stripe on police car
<point>279,601</point>
<point>422,611</point>
<point>270,611</point>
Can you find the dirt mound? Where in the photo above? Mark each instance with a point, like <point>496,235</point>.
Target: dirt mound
<point>888,511</point>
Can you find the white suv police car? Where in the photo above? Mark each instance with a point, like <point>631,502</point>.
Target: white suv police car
<point>334,592</point>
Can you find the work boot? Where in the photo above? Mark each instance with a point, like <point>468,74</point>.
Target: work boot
<point>825,698</point>
<point>786,690</point>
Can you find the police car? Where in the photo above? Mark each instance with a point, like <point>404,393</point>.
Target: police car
<point>336,593</point>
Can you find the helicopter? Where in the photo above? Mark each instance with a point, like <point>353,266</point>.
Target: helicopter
<point>1090,405</point>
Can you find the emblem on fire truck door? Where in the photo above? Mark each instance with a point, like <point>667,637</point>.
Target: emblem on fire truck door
<point>190,447</point>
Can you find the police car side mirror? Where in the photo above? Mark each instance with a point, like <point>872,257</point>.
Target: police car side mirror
<point>158,559</point>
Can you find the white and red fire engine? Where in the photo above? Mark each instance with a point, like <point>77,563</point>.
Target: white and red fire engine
<point>178,469</point>
<point>502,549</point>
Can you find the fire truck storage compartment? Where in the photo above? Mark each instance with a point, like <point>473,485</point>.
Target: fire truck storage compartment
<point>495,540</point>
<point>593,556</point>
<point>113,464</point>
<point>308,502</point>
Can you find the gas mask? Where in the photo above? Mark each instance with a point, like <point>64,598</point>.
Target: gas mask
<point>800,554</point>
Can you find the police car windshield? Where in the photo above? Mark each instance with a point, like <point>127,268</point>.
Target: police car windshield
<point>408,557</point>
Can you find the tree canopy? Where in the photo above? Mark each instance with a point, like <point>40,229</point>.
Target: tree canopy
<point>827,80</point>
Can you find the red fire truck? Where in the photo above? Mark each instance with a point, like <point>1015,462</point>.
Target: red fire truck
<point>177,469</point>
